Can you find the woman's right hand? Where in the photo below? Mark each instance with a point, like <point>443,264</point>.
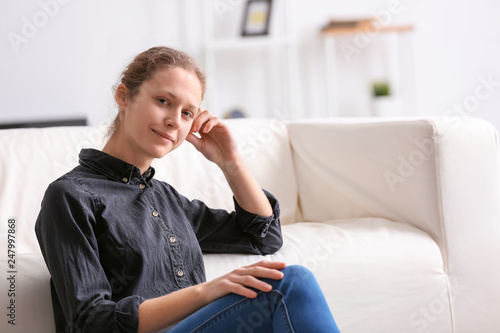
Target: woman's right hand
<point>241,280</point>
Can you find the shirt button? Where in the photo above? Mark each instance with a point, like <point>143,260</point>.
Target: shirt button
<point>142,186</point>
<point>125,179</point>
<point>155,213</point>
<point>180,273</point>
<point>172,239</point>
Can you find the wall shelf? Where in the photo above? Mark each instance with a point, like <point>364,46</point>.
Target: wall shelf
<point>405,84</point>
<point>284,69</point>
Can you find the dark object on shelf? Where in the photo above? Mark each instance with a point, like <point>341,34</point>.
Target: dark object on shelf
<point>256,18</point>
<point>234,114</point>
<point>49,123</point>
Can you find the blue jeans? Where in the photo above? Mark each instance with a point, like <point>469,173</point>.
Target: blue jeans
<point>295,305</point>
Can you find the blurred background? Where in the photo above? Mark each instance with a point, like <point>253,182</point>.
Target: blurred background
<point>59,59</point>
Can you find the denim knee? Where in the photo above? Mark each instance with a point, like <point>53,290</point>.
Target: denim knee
<point>297,273</point>
<point>295,277</point>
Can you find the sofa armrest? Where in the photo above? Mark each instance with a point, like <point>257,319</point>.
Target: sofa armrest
<point>467,170</point>
<point>440,175</point>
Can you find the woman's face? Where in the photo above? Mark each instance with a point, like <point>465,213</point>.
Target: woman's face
<point>159,117</point>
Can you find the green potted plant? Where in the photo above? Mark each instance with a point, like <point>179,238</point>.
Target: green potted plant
<point>383,101</point>
<point>381,88</point>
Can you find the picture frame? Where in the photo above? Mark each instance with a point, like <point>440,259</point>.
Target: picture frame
<point>256,18</point>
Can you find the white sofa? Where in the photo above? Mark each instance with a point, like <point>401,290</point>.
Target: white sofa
<point>398,219</point>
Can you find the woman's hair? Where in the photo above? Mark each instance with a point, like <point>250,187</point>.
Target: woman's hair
<point>147,63</point>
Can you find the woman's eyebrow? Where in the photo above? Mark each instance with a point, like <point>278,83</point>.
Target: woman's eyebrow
<point>174,96</point>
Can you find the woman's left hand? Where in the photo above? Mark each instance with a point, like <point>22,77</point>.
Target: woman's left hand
<point>215,142</point>
<point>217,145</point>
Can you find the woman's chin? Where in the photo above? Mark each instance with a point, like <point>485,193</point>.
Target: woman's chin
<point>160,152</point>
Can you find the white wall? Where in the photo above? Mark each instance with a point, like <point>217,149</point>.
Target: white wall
<point>67,66</point>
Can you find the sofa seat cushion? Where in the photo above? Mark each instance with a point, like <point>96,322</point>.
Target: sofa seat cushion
<point>362,265</point>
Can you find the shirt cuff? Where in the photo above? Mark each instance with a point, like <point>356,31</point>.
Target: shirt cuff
<point>256,224</point>
<point>127,314</point>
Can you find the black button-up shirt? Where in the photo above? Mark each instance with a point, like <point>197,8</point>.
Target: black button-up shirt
<point>112,238</point>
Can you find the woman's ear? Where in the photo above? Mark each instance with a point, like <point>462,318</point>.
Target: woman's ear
<point>121,96</point>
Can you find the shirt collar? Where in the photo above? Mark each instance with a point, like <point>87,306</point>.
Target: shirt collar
<point>112,167</point>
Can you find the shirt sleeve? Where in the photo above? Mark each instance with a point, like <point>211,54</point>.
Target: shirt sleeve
<point>69,246</point>
<point>239,231</point>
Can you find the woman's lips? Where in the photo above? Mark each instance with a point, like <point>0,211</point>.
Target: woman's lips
<point>164,135</point>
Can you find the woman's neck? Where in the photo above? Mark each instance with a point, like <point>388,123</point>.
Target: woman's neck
<point>119,149</point>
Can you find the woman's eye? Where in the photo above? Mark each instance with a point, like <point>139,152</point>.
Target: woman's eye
<point>163,101</point>
<point>187,113</point>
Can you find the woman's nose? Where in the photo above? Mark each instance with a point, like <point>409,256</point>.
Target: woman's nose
<point>173,118</point>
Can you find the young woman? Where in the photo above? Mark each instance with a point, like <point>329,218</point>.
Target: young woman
<point>124,250</point>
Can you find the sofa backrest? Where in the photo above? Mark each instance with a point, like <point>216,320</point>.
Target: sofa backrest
<point>367,168</point>
<point>30,159</point>
<point>342,169</point>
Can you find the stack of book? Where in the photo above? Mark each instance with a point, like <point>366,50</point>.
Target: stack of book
<point>348,25</point>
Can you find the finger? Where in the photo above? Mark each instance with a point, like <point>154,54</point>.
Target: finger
<point>269,264</point>
<point>260,272</point>
<point>203,117</point>
<point>195,141</point>
<point>196,122</point>
<point>209,124</point>
<point>249,281</point>
<point>243,291</point>
<point>207,127</point>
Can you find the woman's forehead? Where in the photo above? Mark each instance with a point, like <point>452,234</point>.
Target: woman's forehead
<point>177,82</point>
